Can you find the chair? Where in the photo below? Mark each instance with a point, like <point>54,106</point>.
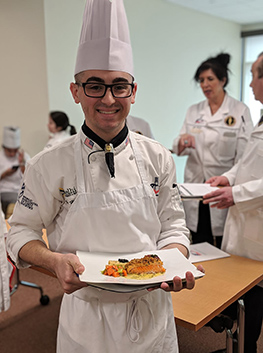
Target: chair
<point>44,299</point>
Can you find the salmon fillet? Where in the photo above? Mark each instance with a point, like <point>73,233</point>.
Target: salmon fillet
<point>148,264</point>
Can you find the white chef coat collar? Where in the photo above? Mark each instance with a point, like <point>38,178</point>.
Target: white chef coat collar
<point>116,141</point>
<point>224,109</point>
<point>90,145</point>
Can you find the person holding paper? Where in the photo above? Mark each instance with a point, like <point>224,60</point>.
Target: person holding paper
<point>243,195</point>
<point>106,189</point>
<point>213,136</point>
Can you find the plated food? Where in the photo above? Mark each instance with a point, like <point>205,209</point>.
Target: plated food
<point>174,263</point>
<point>143,268</point>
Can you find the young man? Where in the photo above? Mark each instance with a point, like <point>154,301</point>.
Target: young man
<point>243,229</point>
<point>93,193</point>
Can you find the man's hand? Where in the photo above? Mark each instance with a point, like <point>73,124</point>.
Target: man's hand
<point>221,198</point>
<point>178,284</point>
<point>7,173</point>
<point>21,157</point>
<point>67,269</point>
<point>186,141</point>
<point>218,181</point>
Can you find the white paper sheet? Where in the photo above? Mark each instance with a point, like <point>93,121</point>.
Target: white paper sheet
<point>195,190</point>
<point>204,252</point>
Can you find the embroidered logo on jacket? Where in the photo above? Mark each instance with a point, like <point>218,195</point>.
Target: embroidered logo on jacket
<point>25,201</point>
<point>199,121</point>
<point>155,186</point>
<point>230,120</point>
<point>89,143</point>
<point>68,194</point>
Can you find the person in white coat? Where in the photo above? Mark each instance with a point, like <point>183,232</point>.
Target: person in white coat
<point>213,136</point>
<point>139,125</point>
<point>243,194</point>
<point>59,128</point>
<point>12,166</point>
<point>93,193</point>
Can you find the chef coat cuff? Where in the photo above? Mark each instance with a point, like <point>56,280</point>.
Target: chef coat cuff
<point>231,179</point>
<point>182,240</point>
<point>13,248</point>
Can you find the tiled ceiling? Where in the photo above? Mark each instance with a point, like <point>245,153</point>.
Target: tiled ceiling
<point>239,11</point>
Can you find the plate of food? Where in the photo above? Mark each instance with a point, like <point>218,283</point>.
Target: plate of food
<point>134,270</point>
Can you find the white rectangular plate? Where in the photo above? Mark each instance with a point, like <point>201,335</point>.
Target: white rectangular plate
<point>173,261</point>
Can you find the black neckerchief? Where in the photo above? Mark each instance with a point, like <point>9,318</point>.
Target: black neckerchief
<point>107,146</point>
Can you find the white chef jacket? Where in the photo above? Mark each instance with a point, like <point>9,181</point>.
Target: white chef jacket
<point>4,274</point>
<point>220,142</point>
<point>49,188</point>
<point>46,197</point>
<point>243,234</point>
<point>11,183</point>
<point>139,125</point>
<point>57,137</point>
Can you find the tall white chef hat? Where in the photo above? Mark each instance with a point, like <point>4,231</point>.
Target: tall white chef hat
<point>11,137</point>
<point>104,39</point>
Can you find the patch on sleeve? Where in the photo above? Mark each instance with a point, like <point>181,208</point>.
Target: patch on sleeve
<point>25,201</point>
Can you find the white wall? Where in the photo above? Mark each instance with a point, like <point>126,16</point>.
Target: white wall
<point>23,90</point>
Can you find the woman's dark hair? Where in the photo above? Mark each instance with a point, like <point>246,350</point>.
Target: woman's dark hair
<point>219,66</point>
<point>61,120</point>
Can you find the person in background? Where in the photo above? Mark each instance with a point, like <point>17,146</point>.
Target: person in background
<point>243,194</point>
<point>59,127</point>
<point>12,166</point>
<point>213,136</point>
<point>93,193</point>
<point>139,125</point>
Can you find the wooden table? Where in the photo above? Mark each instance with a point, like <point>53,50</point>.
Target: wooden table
<point>225,281</point>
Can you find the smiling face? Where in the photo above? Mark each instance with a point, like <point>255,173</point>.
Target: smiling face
<point>105,116</point>
<point>257,83</point>
<point>212,87</point>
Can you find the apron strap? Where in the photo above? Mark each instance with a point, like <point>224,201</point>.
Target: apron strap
<point>79,165</point>
<point>138,159</point>
<point>134,322</point>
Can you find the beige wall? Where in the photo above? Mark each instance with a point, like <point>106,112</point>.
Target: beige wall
<point>23,89</point>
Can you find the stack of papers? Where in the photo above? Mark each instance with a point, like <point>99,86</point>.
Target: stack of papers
<point>204,252</point>
<point>195,191</point>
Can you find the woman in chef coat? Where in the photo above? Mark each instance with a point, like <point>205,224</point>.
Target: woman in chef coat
<point>213,136</point>
<point>59,127</point>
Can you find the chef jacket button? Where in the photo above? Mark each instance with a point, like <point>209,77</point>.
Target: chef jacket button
<point>93,158</point>
<point>131,157</point>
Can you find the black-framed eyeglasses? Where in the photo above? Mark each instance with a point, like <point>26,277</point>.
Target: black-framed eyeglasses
<point>98,90</point>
